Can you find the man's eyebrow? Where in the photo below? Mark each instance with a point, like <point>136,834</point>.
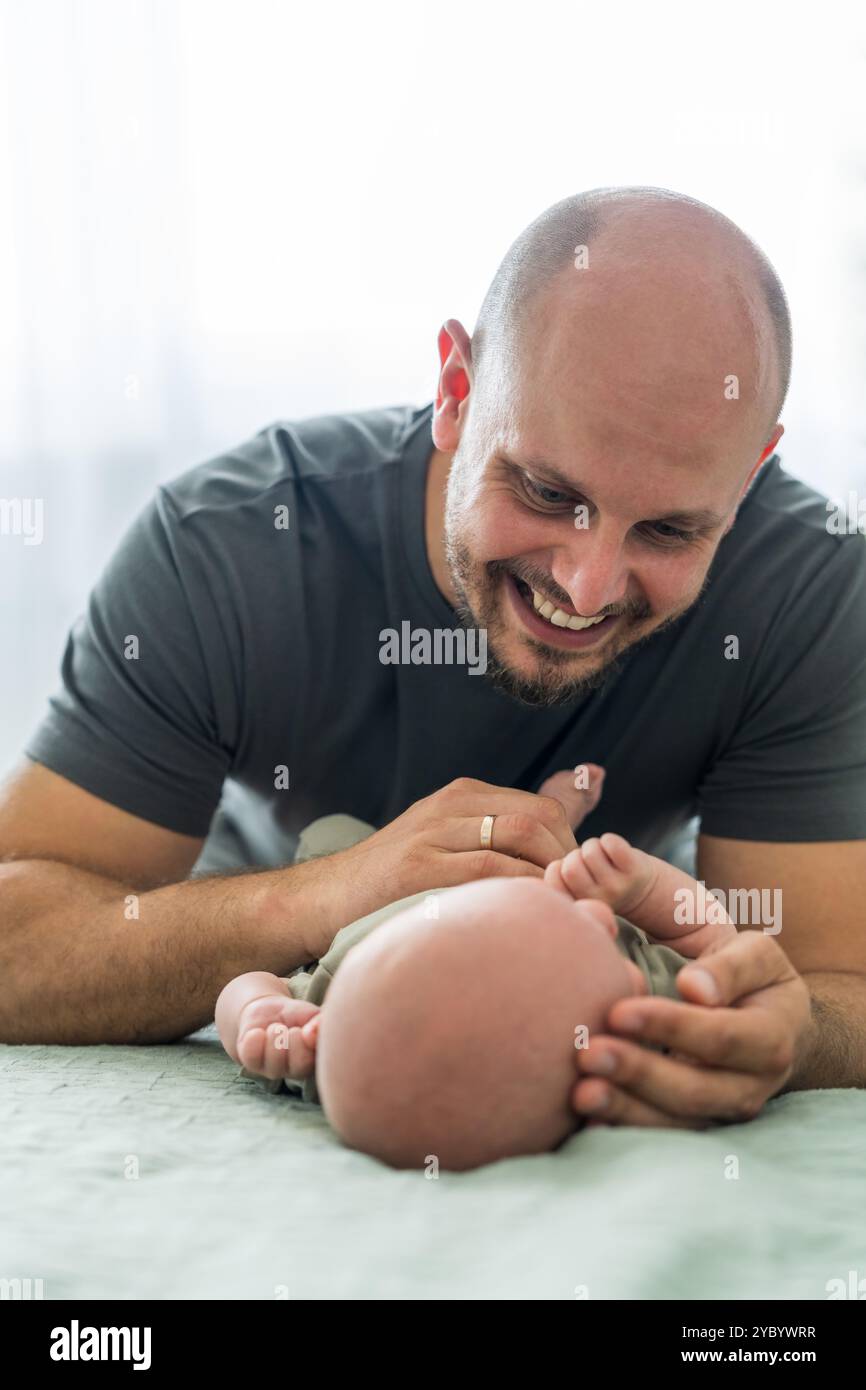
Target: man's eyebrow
<point>699,519</point>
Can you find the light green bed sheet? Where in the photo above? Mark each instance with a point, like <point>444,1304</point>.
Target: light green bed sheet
<point>245,1195</point>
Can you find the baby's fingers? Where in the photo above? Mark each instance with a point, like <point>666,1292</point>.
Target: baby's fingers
<point>287,1054</point>
<point>310,1030</point>
<point>577,876</point>
<point>251,1049</point>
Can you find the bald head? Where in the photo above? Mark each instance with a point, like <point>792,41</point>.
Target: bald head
<point>633,235</point>
<point>454,1036</point>
<point>602,429</point>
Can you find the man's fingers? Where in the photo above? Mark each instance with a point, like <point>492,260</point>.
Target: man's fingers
<point>719,1062</point>
<point>468,799</point>
<point>741,1039</point>
<point>601,1102</point>
<point>518,834</point>
<point>733,967</point>
<point>674,1088</point>
<point>483,863</point>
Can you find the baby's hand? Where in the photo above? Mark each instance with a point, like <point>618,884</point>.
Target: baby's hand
<point>608,869</point>
<point>277,1037</point>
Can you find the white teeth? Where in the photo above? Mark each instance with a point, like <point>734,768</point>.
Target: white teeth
<point>558,618</point>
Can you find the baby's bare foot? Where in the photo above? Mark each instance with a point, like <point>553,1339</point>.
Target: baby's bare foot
<point>578,790</point>
<point>612,870</point>
<point>276,1038</point>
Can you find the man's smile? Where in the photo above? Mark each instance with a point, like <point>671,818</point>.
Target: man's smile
<point>553,625</point>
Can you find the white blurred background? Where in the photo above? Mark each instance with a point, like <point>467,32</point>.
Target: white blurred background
<point>215,214</point>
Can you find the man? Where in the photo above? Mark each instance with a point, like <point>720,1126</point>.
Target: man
<point>604,506</point>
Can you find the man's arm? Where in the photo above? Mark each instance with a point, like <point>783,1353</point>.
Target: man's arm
<point>96,946</point>
<point>822,890</point>
<point>834,1050</point>
<point>98,940</point>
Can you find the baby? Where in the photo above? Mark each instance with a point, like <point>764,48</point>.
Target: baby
<point>452,1016</point>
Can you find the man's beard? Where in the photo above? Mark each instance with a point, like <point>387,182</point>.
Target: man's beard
<point>547,688</point>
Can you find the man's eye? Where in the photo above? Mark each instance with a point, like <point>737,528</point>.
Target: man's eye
<point>662,531</point>
<point>550,496</point>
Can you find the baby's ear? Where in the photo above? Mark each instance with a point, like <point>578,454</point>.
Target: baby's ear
<point>637,977</point>
<point>598,914</point>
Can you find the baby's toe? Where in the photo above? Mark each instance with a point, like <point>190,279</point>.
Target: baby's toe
<point>619,851</point>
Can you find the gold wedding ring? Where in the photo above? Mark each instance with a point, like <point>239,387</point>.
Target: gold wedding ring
<point>487,832</point>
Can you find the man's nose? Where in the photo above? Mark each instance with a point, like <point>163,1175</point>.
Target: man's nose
<point>593,573</point>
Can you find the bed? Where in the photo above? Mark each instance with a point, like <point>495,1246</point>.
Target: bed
<point>161,1172</point>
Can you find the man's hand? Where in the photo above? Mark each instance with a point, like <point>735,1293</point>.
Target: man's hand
<point>733,1044</point>
<point>436,843</point>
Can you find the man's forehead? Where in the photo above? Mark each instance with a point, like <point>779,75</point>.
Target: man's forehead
<point>657,368</point>
<point>683,418</point>
<point>694,458</point>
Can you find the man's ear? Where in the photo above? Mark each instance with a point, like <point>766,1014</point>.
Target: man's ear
<point>454,385</point>
<point>768,449</point>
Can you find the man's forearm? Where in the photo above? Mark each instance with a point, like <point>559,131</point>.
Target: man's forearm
<point>833,1052</point>
<point>85,959</point>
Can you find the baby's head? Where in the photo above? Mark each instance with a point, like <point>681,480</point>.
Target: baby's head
<point>453,1036</point>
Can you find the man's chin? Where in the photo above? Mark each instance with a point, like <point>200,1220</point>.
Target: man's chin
<point>544,682</point>
<point>536,674</point>
<point>541,677</point>
<point>528,670</point>
<point>532,673</point>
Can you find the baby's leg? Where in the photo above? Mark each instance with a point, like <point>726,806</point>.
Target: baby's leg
<point>264,1028</point>
<point>642,888</point>
<point>609,870</point>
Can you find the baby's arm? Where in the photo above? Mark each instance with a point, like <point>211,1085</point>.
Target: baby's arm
<point>642,888</point>
<point>264,1029</point>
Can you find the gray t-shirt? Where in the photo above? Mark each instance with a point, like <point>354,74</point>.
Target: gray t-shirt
<point>257,585</point>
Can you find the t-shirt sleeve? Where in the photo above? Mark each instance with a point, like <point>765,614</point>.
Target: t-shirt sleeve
<point>146,713</point>
<point>794,768</point>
